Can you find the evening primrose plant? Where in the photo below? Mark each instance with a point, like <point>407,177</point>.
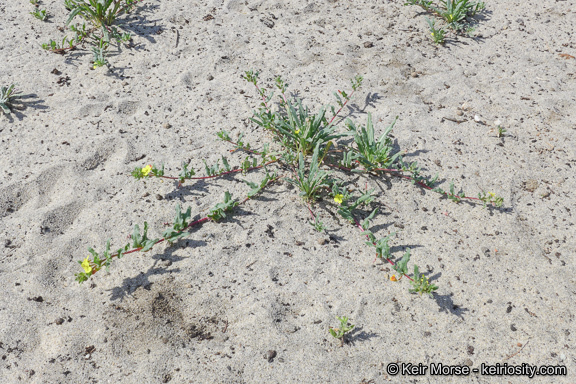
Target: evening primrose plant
<point>97,28</point>
<point>455,14</point>
<point>317,167</point>
<point>7,96</point>
<point>340,332</point>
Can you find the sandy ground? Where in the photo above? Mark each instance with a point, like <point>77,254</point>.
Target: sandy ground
<point>209,309</point>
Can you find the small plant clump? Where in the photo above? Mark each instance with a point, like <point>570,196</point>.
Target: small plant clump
<point>454,14</point>
<point>100,32</point>
<point>302,146</point>
<point>340,332</point>
<point>7,96</point>
<point>40,14</point>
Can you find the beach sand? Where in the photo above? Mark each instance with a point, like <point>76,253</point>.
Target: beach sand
<point>210,308</point>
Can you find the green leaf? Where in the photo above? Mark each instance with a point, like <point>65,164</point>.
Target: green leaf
<point>402,266</point>
<point>366,222</point>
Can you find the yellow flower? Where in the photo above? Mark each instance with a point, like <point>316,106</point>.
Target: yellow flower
<point>432,34</point>
<point>146,170</point>
<point>492,194</point>
<point>297,131</point>
<point>338,198</point>
<point>86,266</point>
<point>393,278</point>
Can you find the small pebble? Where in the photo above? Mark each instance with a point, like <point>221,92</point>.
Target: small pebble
<point>519,344</point>
<point>270,355</point>
<point>368,44</point>
<point>167,125</point>
<point>59,321</point>
<point>159,196</point>
<point>88,356</point>
<point>322,241</point>
<point>476,118</point>
<point>562,357</point>
<point>459,113</point>
<point>414,74</point>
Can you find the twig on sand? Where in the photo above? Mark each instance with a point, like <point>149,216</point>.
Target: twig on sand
<point>520,350</point>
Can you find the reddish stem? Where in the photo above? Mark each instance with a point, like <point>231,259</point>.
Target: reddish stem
<point>261,93</point>
<point>197,222</point>
<point>243,148</point>
<point>342,107</point>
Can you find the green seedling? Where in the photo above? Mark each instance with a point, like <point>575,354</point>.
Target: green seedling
<point>40,14</point>
<point>317,224</point>
<point>99,54</point>
<point>34,2</point>
<point>501,131</point>
<point>340,332</point>
<point>7,96</point>
<point>437,33</point>
<point>66,44</point>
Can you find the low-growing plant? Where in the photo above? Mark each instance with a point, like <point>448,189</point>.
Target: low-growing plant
<point>438,34</point>
<point>317,224</point>
<point>455,14</point>
<point>98,51</point>
<point>340,332</point>
<point>57,47</point>
<point>100,13</point>
<point>7,97</point>
<point>310,181</point>
<point>367,155</point>
<point>100,32</point>
<point>40,14</point>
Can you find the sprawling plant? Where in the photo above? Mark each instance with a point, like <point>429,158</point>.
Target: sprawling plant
<point>296,134</point>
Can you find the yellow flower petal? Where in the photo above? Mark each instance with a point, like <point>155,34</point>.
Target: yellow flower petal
<point>86,266</point>
<point>146,170</point>
<point>393,278</point>
<point>297,131</point>
<point>338,198</point>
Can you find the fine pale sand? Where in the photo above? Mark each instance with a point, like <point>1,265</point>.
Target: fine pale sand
<point>210,308</point>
